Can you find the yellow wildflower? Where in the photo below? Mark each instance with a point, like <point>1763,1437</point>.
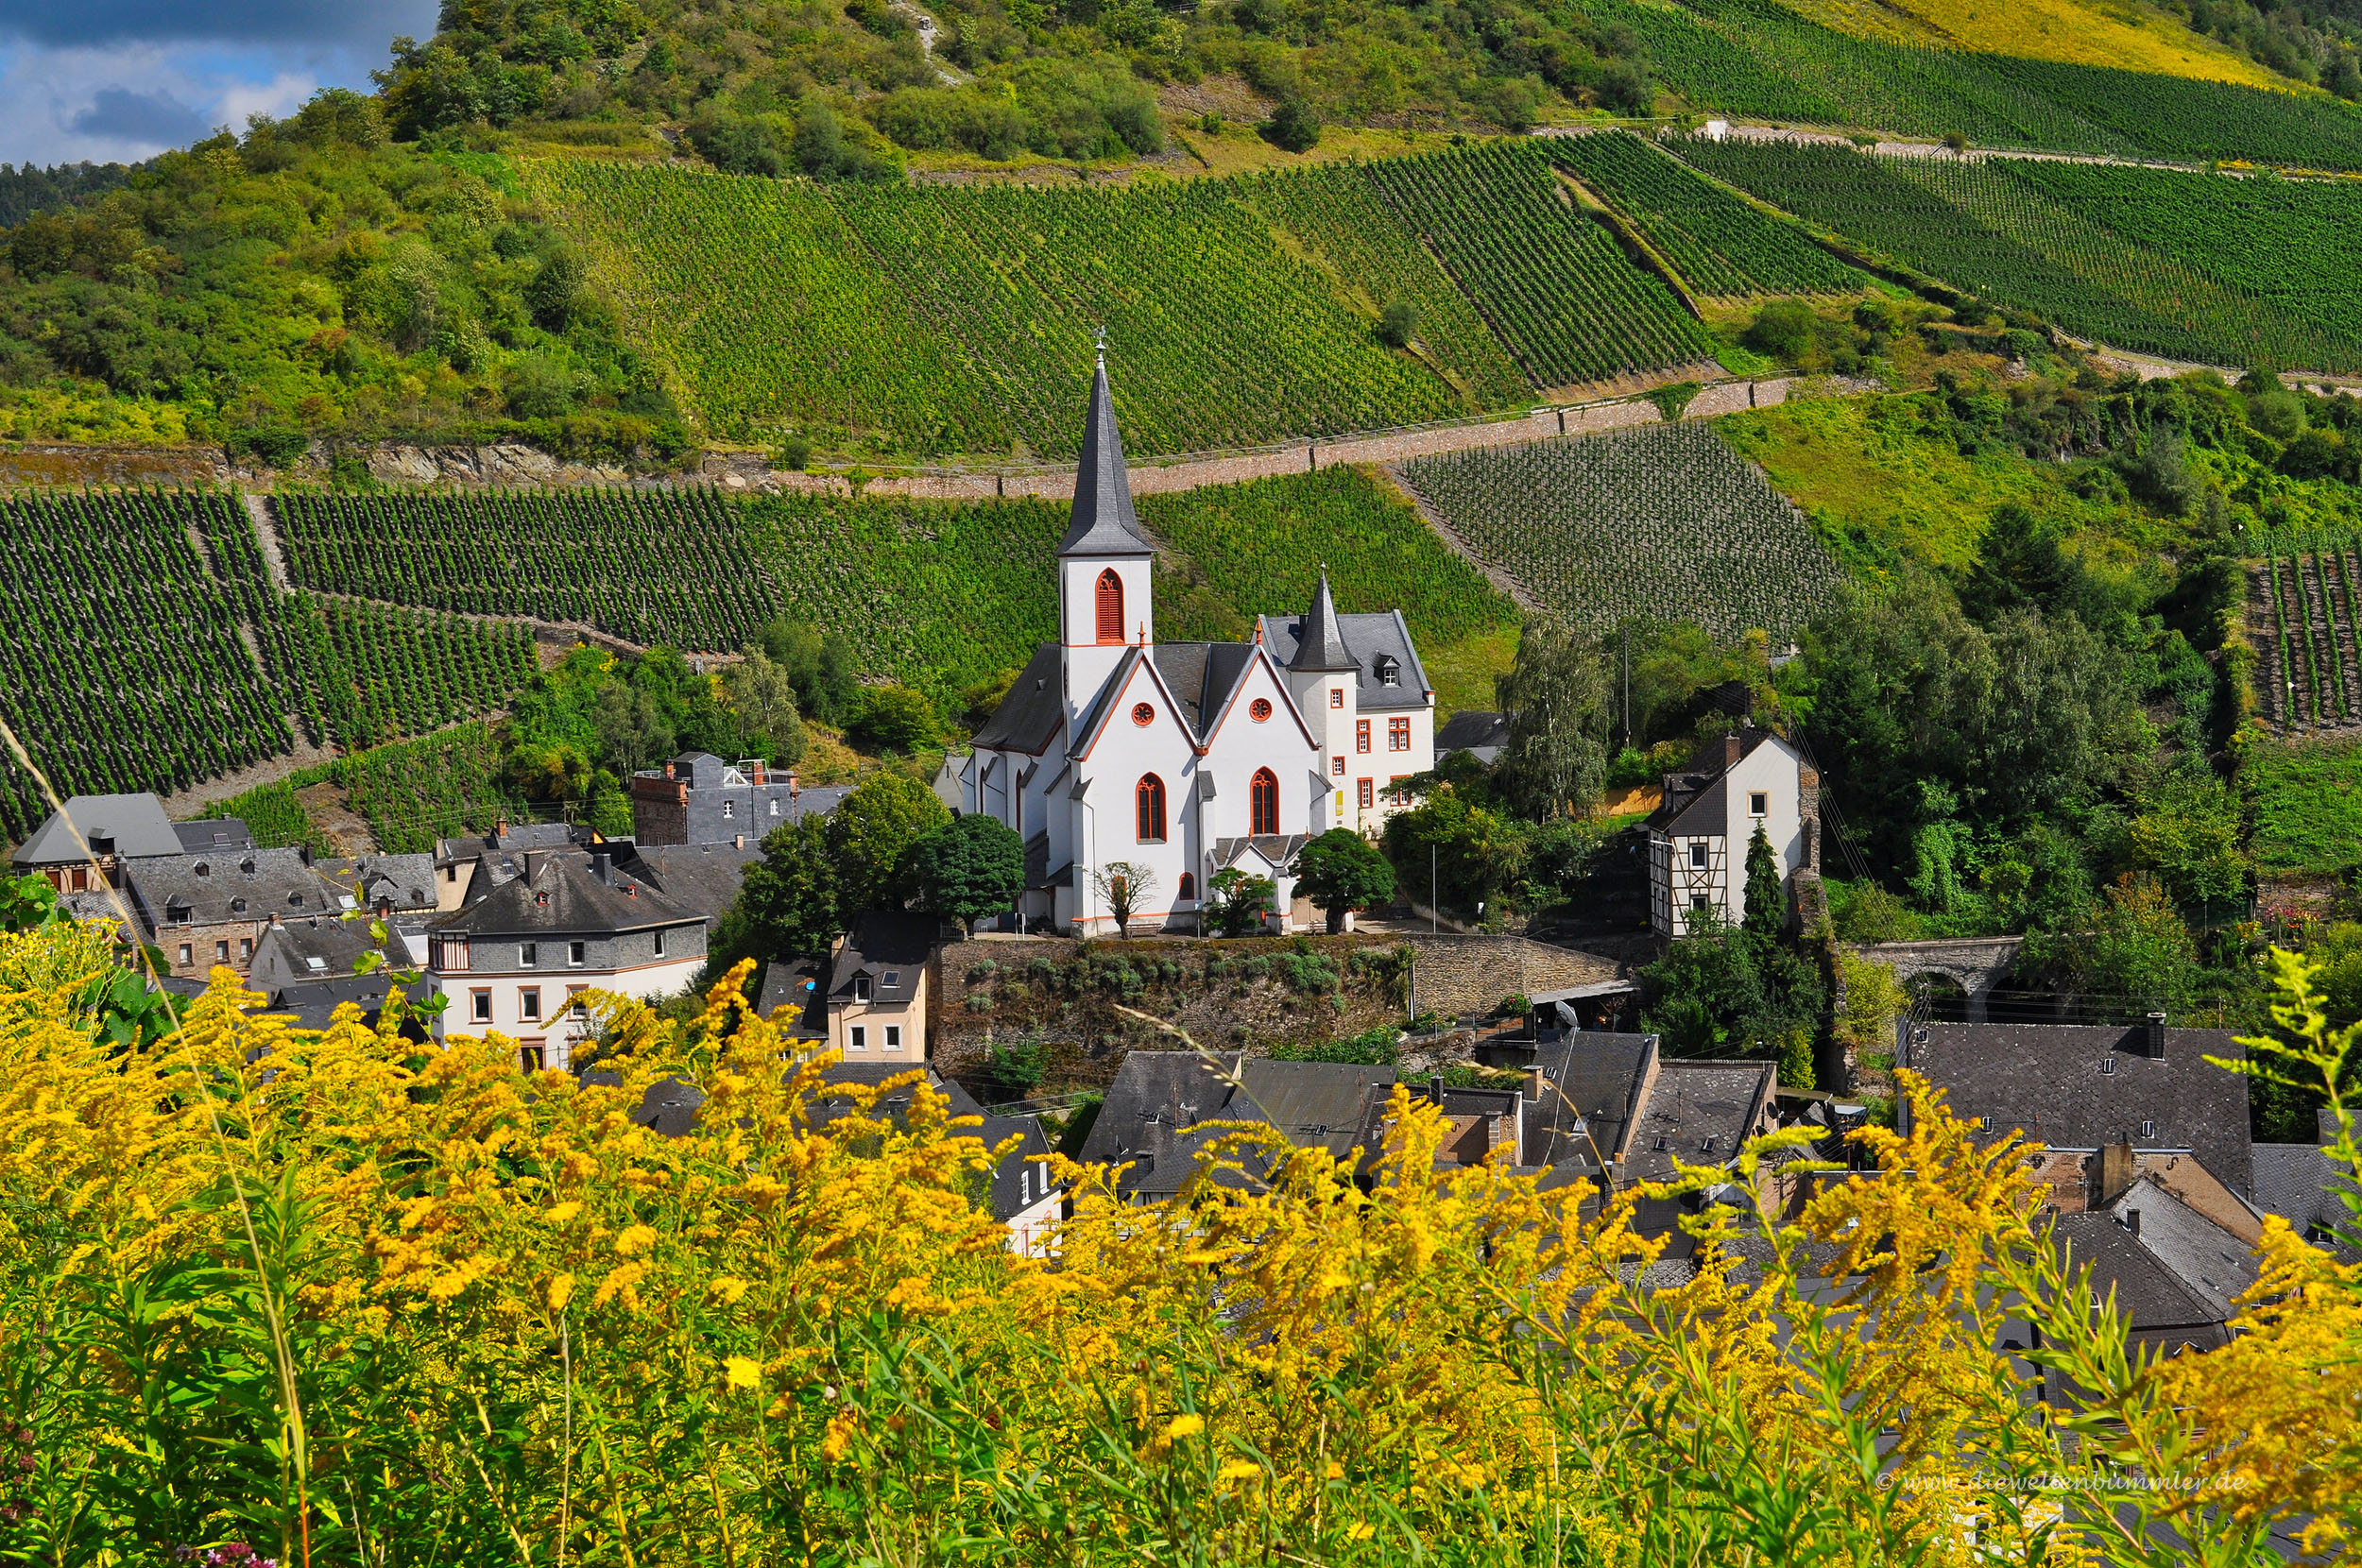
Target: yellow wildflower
<point>634,1238</point>
<point>742,1373</point>
<point>1184,1426</point>
<point>839,1434</point>
<point>560,1290</point>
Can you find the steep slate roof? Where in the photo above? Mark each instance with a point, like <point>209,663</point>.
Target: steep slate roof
<point>1203,677</point>
<point>2203,1256</point>
<point>2145,1286</point>
<point>1102,522</point>
<point>797,984</point>
<point>213,833</point>
<point>1322,1104</point>
<point>1696,802</point>
<point>1028,717</point>
<point>1176,1089</point>
<point>883,942</point>
<point>1596,1080</point>
<point>2300,1184</point>
<point>703,878</point>
<point>324,947</point>
<point>2045,1079</point>
<point>136,823</point>
<point>1320,642</point>
<point>521,836</point>
<point>559,894</point>
<point>1367,637</point>
<point>265,881</point>
<point>406,881</point>
<point>1277,848</point>
<point>315,1002</point>
<point>1701,1111</point>
<point>1471,730</point>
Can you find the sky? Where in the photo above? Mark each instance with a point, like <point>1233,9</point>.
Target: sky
<point>118,80</point>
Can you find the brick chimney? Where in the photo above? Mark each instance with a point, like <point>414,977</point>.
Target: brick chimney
<point>500,827</point>
<point>1731,749</point>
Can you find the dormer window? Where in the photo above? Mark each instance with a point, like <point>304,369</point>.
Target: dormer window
<point>1389,669</point>
<point>892,979</point>
<point>861,988</point>
<point>237,906</point>
<point>2148,1130</point>
<point>294,900</point>
<point>203,869</point>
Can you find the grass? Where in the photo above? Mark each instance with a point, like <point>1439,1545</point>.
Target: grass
<point>2308,806</point>
<point>1239,149</point>
<point>1876,483</point>
<point>2083,32</point>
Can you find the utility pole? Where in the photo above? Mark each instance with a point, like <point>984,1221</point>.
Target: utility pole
<point>1625,631</point>
<point>1434,908</point>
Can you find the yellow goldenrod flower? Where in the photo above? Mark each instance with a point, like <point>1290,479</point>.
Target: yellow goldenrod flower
<point>1188,1424</point>
<point>742,1373</point>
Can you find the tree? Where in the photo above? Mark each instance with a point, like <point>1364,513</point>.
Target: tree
<point>1236,901</point>
<point>1766,899</point>
<point>1472,853</point>
<point>893,719</point>
<point>765,696</point>
<point>1396,322</point>
<point>1724,992</point>
<point>971,866</point>
<point>790,901</point>
<point>2019,563</point>
<point>1783,329</point>
<point>631,728</point>
<point>870,835</point>
<point>1124,886</point>
<point>1296,125</point>
<point>1341,870</point>
<point>2188,834</point>
<point>1555,698</point>
<point>821,667</point>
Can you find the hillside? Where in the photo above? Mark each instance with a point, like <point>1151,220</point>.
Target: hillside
<point>2085,32</point>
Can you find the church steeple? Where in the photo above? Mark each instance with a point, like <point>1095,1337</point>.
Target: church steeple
<point>1103,522</point>
<point>1320,644</point>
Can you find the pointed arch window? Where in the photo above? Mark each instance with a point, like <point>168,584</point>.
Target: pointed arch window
<point>1150,795</point>
<point>1264,802</point>
<point>1110,596</point>
<point>1189,888</point>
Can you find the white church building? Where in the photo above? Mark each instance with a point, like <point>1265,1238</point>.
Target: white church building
<point>1186,758</point>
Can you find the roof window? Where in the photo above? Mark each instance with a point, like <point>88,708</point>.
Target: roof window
<point>237,906</point>
<point>203,869</point>
<point>296,900</point>
<point>2108,1067</point>
<point>893,977</point>
<point>1389,669</point>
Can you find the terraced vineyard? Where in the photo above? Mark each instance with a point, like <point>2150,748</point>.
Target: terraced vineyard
<point>1757,58</point>
<point>1719,243</point>
<point>1981,225</point>
<point>437,786</point>
<point>1224,339</point>
<point>1660,522</point>
<point>647,566</point>
<point>1555,287</point>
<point>2301,616</point>
<point>1335,212</point>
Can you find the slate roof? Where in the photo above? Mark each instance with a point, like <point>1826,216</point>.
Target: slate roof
<point>322,946</point>
<point>2299,1183</point>
<point>1483,735</point>
<point>886,943</point>
<point>315,1002</point>
<point>1176,1089</point>
<point>1320,642</point>
<point>702,877</point>
<point>1595,1084</point>
<point>797,984</point>
<point>1700,1111</point>
<point>1322,1103</point>
<point>1278,848</point>
<point>1102,522</point>
<point>405,881</point>
<point>2202,1255</point>
<point>1027,719</point>
<point>2145,1286</point>
<point>136,825</point>
<point>521,836</point>
<point>2046,1079</point>
<point>243,885</point>
<point>1203,677</point>
<point>213,833</point>
<point>559,894</point>
<point>1696,802</point>
<point>1368,638</point>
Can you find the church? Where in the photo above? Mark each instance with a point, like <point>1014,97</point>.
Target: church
<point>1186,759</point>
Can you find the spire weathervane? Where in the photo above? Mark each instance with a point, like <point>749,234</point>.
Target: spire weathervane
<point>1100,337</point>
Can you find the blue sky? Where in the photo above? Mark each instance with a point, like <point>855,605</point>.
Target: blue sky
<point>121,79</point>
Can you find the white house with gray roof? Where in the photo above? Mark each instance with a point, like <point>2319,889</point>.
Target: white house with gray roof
<point>1698,838</point>
<point>1187,759</point>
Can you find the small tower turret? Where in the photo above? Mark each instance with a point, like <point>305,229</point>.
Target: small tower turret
<point>1104,561</point>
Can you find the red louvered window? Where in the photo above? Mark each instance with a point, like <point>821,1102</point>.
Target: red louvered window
<point>1151,797</point>
<point>1264,802</point>
<point>1110,606</point>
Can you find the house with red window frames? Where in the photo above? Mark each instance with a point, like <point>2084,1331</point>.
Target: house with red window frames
<point>1186,759</point>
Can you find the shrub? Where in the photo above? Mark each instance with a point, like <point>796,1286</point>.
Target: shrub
<point>1296,126</point>
<point>1396,322</point>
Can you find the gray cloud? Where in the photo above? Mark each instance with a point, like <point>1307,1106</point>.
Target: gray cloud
<point>119,115</point>
<point>280,22</point>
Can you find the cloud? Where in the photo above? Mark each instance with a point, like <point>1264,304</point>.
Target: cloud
<point>275,23</point>
<point>143,119</point>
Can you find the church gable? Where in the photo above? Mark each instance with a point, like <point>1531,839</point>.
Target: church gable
<point>1135,713</point>
<point>1235,726</point>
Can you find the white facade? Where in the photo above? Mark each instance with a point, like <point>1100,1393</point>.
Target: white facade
<point>1698,842</point>
<point>495,989</point>
<point>1186,758</point>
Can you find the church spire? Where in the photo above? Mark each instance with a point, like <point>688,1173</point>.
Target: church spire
<point>1103,522</point>
<point>1320,642</point>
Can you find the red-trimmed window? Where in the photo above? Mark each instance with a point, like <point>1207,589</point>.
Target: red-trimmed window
<point>1150,795</point>
<point>1337,766</point>
<point>1144,714</point>
<point>1264,802</point>
<point>1189,888</point>
<point>1360,735</point>
<point>1259,711</point>
<point>1110,606</point>
<point>1336,696</point>
<point>1397,735</point>
<point>1369,792</point>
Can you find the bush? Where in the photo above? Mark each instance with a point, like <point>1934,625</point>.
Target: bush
<point>795,453</point>
<point>737,144</point>
<point>1783,329</point>
<point>1396,322</point>
<point>1296,126</point>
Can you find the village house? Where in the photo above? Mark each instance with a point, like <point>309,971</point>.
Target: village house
<point>209,910</point>
<point>698,799</point>
<point>1698,838</point>
<point>873,1004</point>
<point>1186,759</point>
<point>517,958</point>
<point>458,859</point>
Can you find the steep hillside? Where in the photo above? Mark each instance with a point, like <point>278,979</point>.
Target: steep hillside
<point>2086,32</point>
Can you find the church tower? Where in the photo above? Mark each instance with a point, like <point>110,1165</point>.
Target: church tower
<point>1104,561</point>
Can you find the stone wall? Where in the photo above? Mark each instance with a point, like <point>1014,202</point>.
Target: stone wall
<point>1073,997</point>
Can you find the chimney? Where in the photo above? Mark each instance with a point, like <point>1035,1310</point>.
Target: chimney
<point>500,827</point>
<point>738,841</point>
<point>1730,749</point>
<point>602,862</point>
<point>791,783</point>
<point>668,770</point>
<point>532,864</point>
<point>2113,1178</point>
<point>2156,1032</point>
<point>1435,1089</point>
<point>276,924</point>
<point>2132,1221</point>
<point>761,774</point>
<point>1160,1141</point>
